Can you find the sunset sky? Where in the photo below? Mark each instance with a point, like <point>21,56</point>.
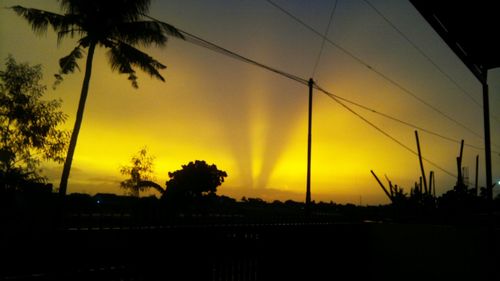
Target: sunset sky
<point>252,123</point>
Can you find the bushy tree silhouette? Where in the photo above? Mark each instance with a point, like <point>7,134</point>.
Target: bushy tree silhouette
<point>116,25</point>
<point>194,181</point>
<point>28,125</point>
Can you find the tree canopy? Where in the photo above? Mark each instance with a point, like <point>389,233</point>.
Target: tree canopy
<point>194,180</point>
<point>28,125</point>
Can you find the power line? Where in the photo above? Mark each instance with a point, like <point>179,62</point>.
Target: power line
<point>206,44</point>
<point>429,59</point>
<point>333,97</point>
<point>324,36</point>
<point>385,77</point>
<point>216,48</point>
<point>416,47</point>
<point>211,46</point>
<point>406,123</point>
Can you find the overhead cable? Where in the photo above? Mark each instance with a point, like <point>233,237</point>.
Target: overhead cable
<point>333,97</point>
<point>206,44</point>
<point>379,73</point>
<point>324,36</point>
<point>406,123</point>
<point>209,45</point>
<point>418,49</point>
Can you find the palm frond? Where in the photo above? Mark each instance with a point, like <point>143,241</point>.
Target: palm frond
<point>121,64</point>
<point>123,57</point>
<point>68,64</point>
<point>40,20</point>
<point>70,28</point>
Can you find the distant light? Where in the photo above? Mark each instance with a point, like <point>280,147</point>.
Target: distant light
<point>98,202</point>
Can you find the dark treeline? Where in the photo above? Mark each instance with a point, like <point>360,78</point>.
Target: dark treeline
<point>36,206</point>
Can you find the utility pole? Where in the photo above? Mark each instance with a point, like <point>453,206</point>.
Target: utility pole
<point>487,141</point>
<point>460,179</point>
<point>309,139</point>
<point>477,170</point>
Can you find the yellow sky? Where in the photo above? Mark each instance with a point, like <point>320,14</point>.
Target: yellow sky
<point>253,123</point>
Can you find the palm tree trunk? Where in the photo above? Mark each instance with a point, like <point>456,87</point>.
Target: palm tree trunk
<point>78,122</point>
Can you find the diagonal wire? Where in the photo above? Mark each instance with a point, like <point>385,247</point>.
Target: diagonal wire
<point>406,123</point>
<point>385,77</point>
<point>209,45</point>
<point>333,97</point>
<point>324,40</point>
<point>204,43</point>
<point>429,59</point>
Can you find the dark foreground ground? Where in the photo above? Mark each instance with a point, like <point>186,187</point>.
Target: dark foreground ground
<point>268,251</point>
<point>256,243</point>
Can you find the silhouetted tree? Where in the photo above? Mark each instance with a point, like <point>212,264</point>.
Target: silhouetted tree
<point>140,171</point>
<point>114,24</point>
<point>28,129</point>
<point>193,181</point>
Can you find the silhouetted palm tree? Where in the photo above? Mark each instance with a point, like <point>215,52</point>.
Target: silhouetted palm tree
<point>113,24</point>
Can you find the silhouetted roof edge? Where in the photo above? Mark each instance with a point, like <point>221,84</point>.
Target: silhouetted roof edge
<point>469,30</point>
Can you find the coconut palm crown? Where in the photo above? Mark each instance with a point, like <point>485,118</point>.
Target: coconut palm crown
<point>117,25</point>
